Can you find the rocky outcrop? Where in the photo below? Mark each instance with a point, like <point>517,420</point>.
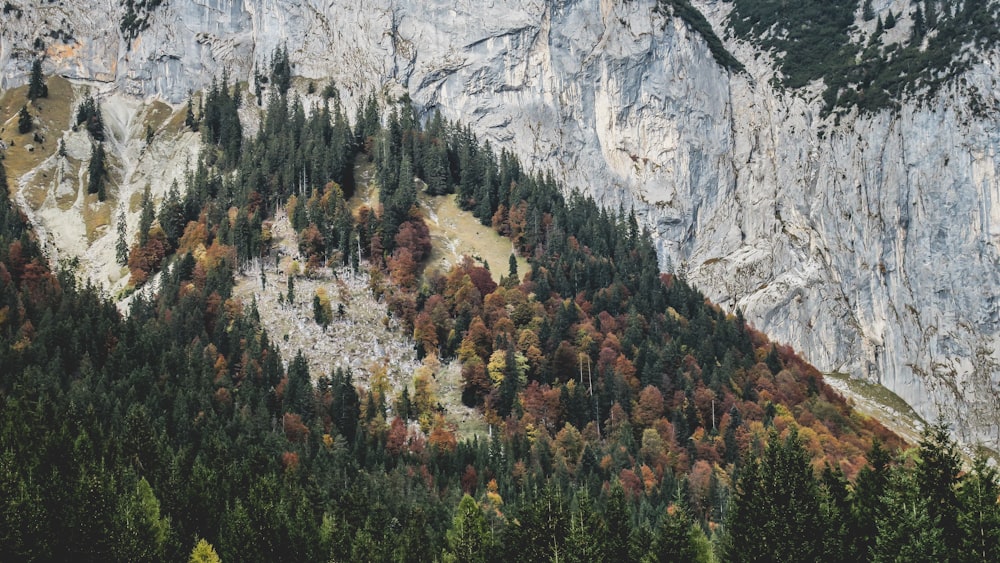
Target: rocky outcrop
<point>868,242</point>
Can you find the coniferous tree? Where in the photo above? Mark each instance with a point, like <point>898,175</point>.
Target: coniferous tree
<point>678,538</point>
<point>121,245</point>
<point>24,121</point>
<point>979,518</point>
<point>299,390</point>
<point>97,172</point>
<point>189,120</point>
<point>937,472</point>
<point>88,114</point>
<point>36,84</point>
<point>468,538</point>
<point>867,13</point>
<point>146,215</point>
<point>907,531</point>
<point>776,510</point>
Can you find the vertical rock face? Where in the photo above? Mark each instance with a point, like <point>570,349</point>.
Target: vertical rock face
<point>869,243</point>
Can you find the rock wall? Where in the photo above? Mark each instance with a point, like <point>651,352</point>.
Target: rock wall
<point>868,243</point>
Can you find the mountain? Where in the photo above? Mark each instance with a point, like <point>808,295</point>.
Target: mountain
<point>860,230</point>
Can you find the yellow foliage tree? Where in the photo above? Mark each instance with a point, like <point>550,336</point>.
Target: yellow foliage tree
<point>203,552</point>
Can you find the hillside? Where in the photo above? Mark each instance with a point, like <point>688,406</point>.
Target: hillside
<point>234,410</point>
<point>834,182</point>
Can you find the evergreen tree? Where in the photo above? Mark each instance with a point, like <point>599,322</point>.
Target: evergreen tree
<point>678,538</point>
<point>121,245</point>
<point>24,122</point>
<point>299,390</point>
<point>36,84</point>
<point>88,114</point>
<point>919,28</point>
<point>96,172</point>
<point>937,472</point>
<point>907,531</point>
<point>468,538</point>
<point>867,13</point>
<point>189,120</point>
<point>146,215</point>
<point>587,534</point>
<point>776,511</point>
<point>171,216</point>
<point>979,518</point>
<point>281,70</point>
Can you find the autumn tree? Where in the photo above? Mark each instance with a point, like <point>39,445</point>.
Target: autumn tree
<point>203,552</point>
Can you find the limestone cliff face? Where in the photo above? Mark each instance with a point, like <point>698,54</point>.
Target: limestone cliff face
<point>868,243</point>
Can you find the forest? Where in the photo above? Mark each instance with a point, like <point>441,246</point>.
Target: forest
<point>819,40</point>
<point>630,419</point>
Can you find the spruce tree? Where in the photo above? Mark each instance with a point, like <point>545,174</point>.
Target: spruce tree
<point>937,478</point>
<point>96,172</point>
<point>468,538</point>
<point>36,85</point>
<point>776,511</point>
<point>24,122</point>
<point>121,245</point>
<point>146,216</point>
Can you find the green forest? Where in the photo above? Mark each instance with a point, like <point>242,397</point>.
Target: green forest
<point>819,40</point>
<point>630,419</point>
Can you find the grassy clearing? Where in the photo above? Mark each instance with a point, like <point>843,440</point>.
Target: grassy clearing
<point>52,116</point>
<point>456,233</point>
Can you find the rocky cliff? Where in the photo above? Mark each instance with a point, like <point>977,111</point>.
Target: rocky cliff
<point>869,241</point>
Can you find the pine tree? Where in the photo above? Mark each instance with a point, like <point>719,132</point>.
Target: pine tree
<point>907,531</point>
<point>146,216</point>
<point>890,20</point>
<point>299,390</point>
<point>121,245</point>
<point>468,538</point>
<point>776,510</point>
<point>24,122</point>
<point>867,497</point>
<point>919,28</point>
<point>678,538</point>
<point>979,518</point>
<point>97,172</point>
<point>937,477</point>
<point>189,120</point>
<point>36,85</point>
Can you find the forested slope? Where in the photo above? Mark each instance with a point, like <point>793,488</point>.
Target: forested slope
<point>630,418</point>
